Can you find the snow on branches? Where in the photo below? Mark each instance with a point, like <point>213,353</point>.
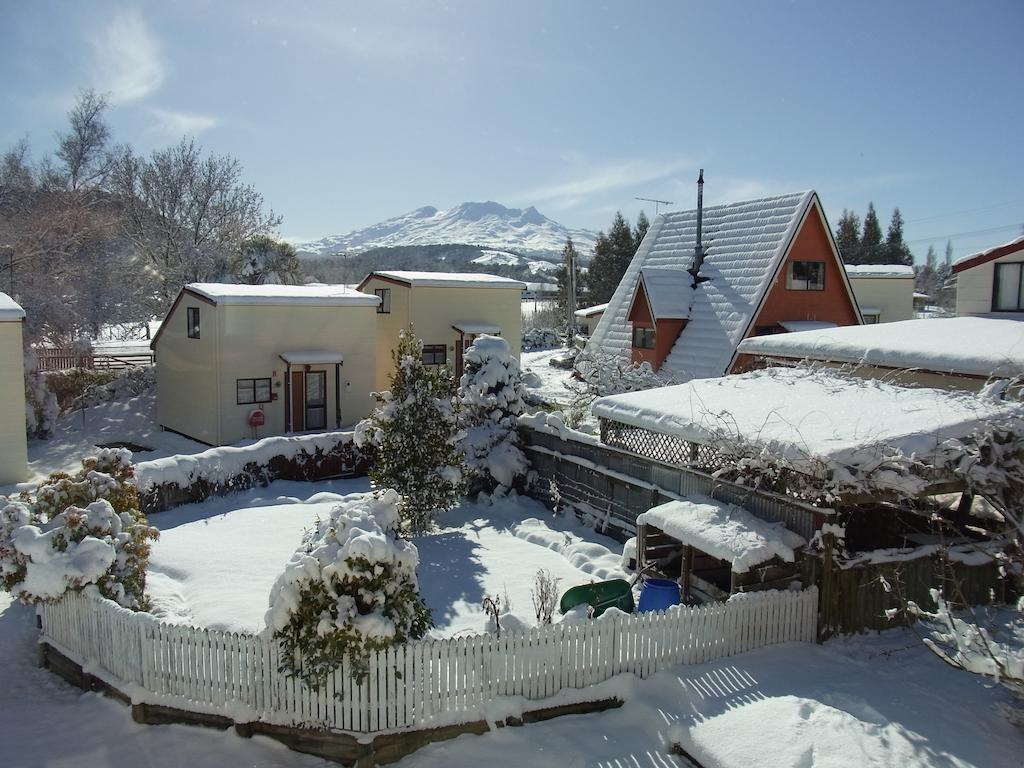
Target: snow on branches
<point>490,400</point>
<point>414,431</point>
<point>349,590</point>
<point>78,531</point>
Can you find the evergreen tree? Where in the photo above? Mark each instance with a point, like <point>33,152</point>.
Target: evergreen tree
<point>414,431</point>
<point>848,237</point>
<point>490,403</point>
<point>926,277</point>
<point>262,259</point>
<point>642,225</point>
<point>871,250</point>
<point>896,250</point>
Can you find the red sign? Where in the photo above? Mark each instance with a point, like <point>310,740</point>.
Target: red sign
<point>257,418</point>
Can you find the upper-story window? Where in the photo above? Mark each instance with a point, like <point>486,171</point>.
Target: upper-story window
<point>1007,293</point>
<point>384,294</point>
<point>806,276</point>
<point>643,338</point>
<point>193,322</point>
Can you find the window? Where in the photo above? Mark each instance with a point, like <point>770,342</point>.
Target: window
<point>768,330</point>
<point>1006,292</point>
<point>806,276</point>
<point>870,318</point>
<point>435,354</point>
<point>248,391</point>
<point>193,322</point>
<point>384,308</point>
<point>316,399</point>
<point>643,338</point>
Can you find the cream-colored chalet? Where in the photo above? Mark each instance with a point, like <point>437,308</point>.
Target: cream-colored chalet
<point>447,310</point>
<point>305,357</point>
<point>992,282</point>
<point>13,446</point>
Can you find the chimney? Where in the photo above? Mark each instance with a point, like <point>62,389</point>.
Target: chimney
<point>698,249</point>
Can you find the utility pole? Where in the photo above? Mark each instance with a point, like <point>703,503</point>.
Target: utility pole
<point>657,203</point>
<point>570,302</point>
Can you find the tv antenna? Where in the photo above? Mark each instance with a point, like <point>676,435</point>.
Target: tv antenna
<point>657,203</point>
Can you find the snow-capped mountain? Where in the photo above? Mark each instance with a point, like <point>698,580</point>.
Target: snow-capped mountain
<point>488,225</point>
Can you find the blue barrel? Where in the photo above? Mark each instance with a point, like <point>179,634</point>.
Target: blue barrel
<point>657,595</point>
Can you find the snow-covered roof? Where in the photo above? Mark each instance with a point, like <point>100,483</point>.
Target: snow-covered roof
<point>804,325</point>
<point>989,255</point>
<point>313,357</point>
<point>449,279</point>
<point>725,531</point>
<point>808,417</point>
<point>10,309</point>
<point>879,270</point>
<point>669,292</point>
<point>322,295</point>
<point>745,244</point>
<point>597,309</point>
<point>974,346</point>
<point>477,328</point>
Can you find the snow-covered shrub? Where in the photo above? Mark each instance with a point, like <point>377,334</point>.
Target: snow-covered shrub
<point>490,403</point>
<point>78,530</point>
<point>41,407</point>
<point>350,589</point>
<point>129,382</point>
<point>414,431</point>
<point>541,338</point>
<point>597,373</point>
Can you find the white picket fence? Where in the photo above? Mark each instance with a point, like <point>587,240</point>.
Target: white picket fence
<point>423,684</point>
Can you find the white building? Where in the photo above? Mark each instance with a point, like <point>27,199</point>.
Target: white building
<point>991,282</point>
<point>13,445</point>
<point>884,292</point>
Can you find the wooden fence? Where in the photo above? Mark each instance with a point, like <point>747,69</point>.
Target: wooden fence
<point>60,359</point>
<point>420,685</point>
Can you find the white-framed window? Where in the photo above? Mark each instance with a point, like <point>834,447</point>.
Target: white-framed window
<point>384,308</point>
<point>806,276</point>
<point>870,318</point>
<point>192,316</point>
<point>1007,293</point>
<point>249,391</point>
<point>643,338</point>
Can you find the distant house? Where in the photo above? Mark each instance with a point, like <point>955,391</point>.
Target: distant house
<point>946,353</point>
<point>884,292</point>
<point>447,310</point>
<point>588,317</point>
<point>991,282</point>
<point>305,356</point>
<point>703,280</point>
<point>13,448</point>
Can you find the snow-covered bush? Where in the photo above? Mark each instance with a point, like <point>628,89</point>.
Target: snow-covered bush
<point>490,403</point>
<point>129,382</point>
<point>350,589</point>
<point>541,338</point>
<point>598,373</point>
<point>41,407</point>
<point>76,531</point>
<point>414,431</point>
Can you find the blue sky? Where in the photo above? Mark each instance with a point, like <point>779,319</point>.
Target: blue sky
<point>346,113</point>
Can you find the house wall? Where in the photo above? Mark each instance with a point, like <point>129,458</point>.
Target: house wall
<point>833,304</point>
<point>13,447</point>
<point>252,337</point>
<point>666,332</point>
<point>186,372</point>
<point>893,295</point>
<point>432,310</point>
<point>974,287</point>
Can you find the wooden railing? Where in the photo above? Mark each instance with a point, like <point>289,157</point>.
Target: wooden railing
<point>420,685</point>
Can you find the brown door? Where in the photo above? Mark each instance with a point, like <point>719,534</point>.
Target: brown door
<point>298,397</point>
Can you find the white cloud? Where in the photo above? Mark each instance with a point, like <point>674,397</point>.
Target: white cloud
<point>177,124</point>
<point>128,63</point>
<point>604,178</point>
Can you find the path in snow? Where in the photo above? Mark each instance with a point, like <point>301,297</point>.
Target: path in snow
<point>553,380</point>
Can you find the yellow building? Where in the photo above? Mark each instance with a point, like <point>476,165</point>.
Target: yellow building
<point>884,292</point>
<point>13,447</point>
<point>447,310</point>
<point>305,357</point>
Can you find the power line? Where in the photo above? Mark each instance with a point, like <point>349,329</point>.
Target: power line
<point>961,213</point>
<point>956,235</point>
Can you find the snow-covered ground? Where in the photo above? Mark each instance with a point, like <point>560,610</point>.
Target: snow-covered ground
<point>215,562</point>
<point>550,381</point>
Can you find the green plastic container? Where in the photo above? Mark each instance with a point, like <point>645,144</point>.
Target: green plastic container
<point>602,595</point>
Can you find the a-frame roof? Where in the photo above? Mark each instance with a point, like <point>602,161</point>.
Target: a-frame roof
<point>746,244</point>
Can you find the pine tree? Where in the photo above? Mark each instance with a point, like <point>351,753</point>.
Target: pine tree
<point>871,251</point>
<point>490,403</point>
<point>642,225</point>
<point>896,250</point>
<point>414,430</point>
<point>848,237</point>
<point>612,255</point>
<point>926,276</point>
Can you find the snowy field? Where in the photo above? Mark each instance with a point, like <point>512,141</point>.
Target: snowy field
<point>215,562</point>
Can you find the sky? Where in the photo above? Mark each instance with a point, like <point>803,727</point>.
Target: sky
<point>347,113</point>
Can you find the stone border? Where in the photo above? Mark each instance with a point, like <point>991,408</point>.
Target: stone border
<point>342,748</point>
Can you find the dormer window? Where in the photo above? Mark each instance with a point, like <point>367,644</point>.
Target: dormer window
<point>806,276</point>
<point>643,338</point>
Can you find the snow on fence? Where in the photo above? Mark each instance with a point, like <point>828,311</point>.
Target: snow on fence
<point>423,684</point>
<point>185,478</point>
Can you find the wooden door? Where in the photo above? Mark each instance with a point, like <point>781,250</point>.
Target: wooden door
<point>298,401</point>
